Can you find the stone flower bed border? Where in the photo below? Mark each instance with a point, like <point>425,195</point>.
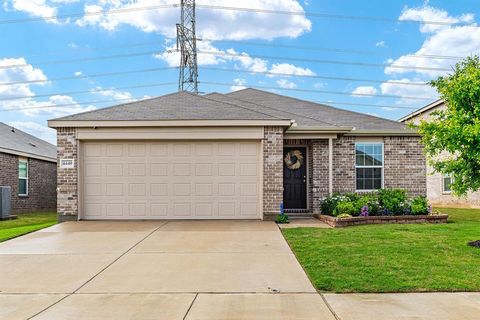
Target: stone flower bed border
<point>355,221</point>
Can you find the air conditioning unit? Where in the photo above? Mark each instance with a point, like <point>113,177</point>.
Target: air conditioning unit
<point>6,203</point>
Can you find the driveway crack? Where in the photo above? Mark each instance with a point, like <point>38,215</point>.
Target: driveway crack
<point>119,257</point>
<point>190,307</point>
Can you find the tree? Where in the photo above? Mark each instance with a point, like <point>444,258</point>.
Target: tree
<point>452,137</point>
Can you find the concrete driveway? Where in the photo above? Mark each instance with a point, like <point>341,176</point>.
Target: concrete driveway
<point>155,270</point>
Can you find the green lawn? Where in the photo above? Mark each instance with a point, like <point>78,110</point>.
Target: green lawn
<point>392,258</point>
<point>25,223</point>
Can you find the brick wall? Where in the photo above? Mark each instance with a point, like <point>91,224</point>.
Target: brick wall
<point>67,180</point>
<point>343,164</point>
<point>272,170</point>
<point>405,165</point>
<point>41,183</point>
<point>319,173</point>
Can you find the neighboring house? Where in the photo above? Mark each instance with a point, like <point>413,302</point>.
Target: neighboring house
<point>438,185</point>
<point>29,166</point>
<point>226,156</point>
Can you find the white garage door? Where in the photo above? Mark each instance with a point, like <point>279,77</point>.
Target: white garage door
<point>171,180</point>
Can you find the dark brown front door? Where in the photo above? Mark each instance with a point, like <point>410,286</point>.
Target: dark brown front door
<point>295,177</point>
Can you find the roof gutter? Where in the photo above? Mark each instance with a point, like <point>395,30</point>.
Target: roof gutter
<point>28,155</point>
<point>166,123</point>
<point>386,132</point>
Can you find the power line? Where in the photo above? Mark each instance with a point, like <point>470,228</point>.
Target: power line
<point>116,56</point>
<point>332,16</point>
<point>322,91</point>
<point>108,74</point>
<point>95,90</point>
<point>218,53</point>
<point>228,8</point>
<point>316,76</point>
<point>137,99</point>
<point>92,13</point>
<point>97,75</point>
<point>326,49</point>
<point>355,63</point>
<point>69,104</point>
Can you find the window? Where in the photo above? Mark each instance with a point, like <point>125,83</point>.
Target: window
<point>23,177</point>
<point>369,166</point>
<point>447,183</point>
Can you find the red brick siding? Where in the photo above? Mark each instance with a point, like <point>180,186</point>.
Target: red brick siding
<point>42,183</point>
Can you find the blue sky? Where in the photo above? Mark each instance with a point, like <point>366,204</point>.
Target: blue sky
<point>66,47</point>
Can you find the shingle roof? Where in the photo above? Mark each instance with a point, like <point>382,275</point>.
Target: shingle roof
<point>290,114</point>
<point>247,104</point>
<point>16,141</point>
<point>312,110</point>
<point>175,106</point>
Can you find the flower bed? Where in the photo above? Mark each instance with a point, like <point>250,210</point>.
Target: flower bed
<point>383,206</point>
<point>355,221</point>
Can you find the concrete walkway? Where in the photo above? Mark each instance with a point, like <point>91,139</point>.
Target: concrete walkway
<point>186,270</point>
<point>155,270</point>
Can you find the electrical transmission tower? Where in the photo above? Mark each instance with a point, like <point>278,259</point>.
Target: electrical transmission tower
<point>187,43</point>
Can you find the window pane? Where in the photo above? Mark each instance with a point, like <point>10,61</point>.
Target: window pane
<point>368,160</point>
<point>369,149</point>
<point>360,149</point>
<point>360,160</point>
<point>360,173</point>
<point>379,149</point>
<point>378,161</point>
<point>377,173</point>
<point>22,169</point>
<point>359,184</point>
<point>447,182</point>
<point>368,184</point>
<point>377,184</point>
<point>22,186</point>
<point>368,173</point>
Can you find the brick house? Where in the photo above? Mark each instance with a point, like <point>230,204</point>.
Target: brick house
<point>438,185</point>
<point>29,166</point>
<point>226,156</point>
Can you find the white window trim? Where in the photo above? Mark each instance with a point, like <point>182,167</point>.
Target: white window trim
<point>364,166</point>
<point>26,179</point>
<point>443,184</point>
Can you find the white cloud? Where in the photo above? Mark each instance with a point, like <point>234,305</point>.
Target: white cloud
<point>381,44</point>
<point>289,69</point>
<point>125,96</point>
<point>239,84</point>
<point>36,8</point>
<point>37,130</point>
<point>211,24</point>
<point>29,105</point>
<point>78,73</point>
<point>285,84</point>
<point>319,85</point>
<point>445,40</point>
<point>430,14</point>
<point>395,89</point>
<point>364,91</point>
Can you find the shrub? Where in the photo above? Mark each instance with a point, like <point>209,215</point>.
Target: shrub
<point>367,200</point>
<point>419,205</point>
<point>344,215</point>
<point>393,201</point>
<point>282,218</point>
<point>329,204</point>
<point>344,207</point>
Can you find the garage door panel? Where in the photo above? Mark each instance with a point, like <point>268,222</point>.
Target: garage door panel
<point>171,180</point>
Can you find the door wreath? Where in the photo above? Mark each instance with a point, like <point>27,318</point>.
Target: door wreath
<point>293,159</point>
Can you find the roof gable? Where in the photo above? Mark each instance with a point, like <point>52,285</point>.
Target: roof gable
<point>15,141</point>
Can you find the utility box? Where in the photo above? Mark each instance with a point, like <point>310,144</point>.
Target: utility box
<point>5,203</point>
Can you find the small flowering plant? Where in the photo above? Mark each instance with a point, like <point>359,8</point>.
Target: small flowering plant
<point>364,212</point>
